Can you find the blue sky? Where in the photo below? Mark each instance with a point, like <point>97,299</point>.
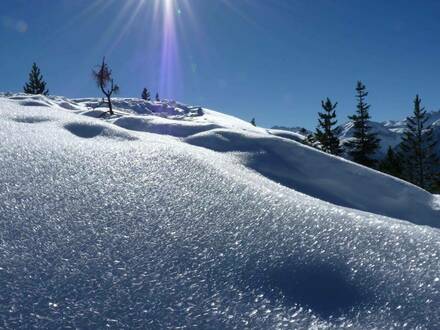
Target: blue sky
<point>269,59</point>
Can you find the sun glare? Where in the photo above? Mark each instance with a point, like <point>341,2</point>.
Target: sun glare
<point>158,18</point>
<point>158,25</point>
<point>169,67</point>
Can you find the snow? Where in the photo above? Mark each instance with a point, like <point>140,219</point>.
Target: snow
<point>103,226</point>
<point>287,135</point>
<point>328,178</point>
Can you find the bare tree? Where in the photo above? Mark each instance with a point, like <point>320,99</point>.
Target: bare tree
<point>104,80</point>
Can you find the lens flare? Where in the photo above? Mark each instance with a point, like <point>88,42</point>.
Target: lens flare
<point>169,78</point>
<point>159,31</point>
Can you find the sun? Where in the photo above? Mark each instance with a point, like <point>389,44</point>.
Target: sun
<point>156,23</point>
<point>164,20</point>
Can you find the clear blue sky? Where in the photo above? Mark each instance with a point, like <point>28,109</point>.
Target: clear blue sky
<point>270,59</point>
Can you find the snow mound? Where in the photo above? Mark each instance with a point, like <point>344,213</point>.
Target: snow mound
<point>142,107</point>
<point>288,135</point>
<point>30,119</point>
<point>165,126</point>
<point>328,178</point>
<point>91,130</point>
<point>273,153</point>
<point>156,233</point>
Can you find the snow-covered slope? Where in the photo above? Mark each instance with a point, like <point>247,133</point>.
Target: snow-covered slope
<point>291,164</point>
<point>390,132</point>
<point>272,153</point>
<point>101,226</point>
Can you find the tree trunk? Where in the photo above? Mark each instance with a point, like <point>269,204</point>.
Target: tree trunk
<point>110,106</point>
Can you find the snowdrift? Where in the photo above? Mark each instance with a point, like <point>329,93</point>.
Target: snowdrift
<point>328,178</point>
<point>102,226</point>
<point>272,153</point>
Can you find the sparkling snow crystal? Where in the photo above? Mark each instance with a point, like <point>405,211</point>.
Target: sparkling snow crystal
<point>102,226</point>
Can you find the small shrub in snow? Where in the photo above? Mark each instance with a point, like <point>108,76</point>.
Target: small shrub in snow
<point>146,95</point>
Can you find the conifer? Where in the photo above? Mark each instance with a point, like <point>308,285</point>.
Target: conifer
<point>421,163</point>
<point>325,133</point>
<point>365,143</point>
<point>36,83</point>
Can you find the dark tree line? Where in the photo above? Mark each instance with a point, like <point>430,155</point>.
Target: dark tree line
<point>364,143</point>
<point>146,95</point>
<point>392,163</point>
<point>413,160</point>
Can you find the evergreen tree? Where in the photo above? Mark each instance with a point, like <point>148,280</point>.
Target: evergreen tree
<point>36,83</point>
<point>310,140</point>
<point>326,134</point>
<point>146,95</point>
<point>436,187</point>
<point>392,164</point>
<point>303,131</point>
<point>253,122</point>
<point>365,143</point>
<point>157,97</point>
<point>421,164</point>
<point>104,80</point>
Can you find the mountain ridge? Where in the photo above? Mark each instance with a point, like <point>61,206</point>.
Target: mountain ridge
<point>390,132</point>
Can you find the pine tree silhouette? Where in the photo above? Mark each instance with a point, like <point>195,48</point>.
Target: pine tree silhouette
<point>392,164</point>
<point>325,133</point>
<point>146,95</point>
<point>253,122</point>
<point>104,80</point>
<point>365,143</point>
<point>421,164</point>
<point>157,97</point>
<point>36,83</point>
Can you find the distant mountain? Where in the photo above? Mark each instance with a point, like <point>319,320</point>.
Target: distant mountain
<point>390,132</point>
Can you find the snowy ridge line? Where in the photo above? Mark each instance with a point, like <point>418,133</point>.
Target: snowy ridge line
<point>272,153</point>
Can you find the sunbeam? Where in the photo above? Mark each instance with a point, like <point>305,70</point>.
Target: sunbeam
<point>169,65</point>
<point>158,17</point>
<point>162,29</point>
